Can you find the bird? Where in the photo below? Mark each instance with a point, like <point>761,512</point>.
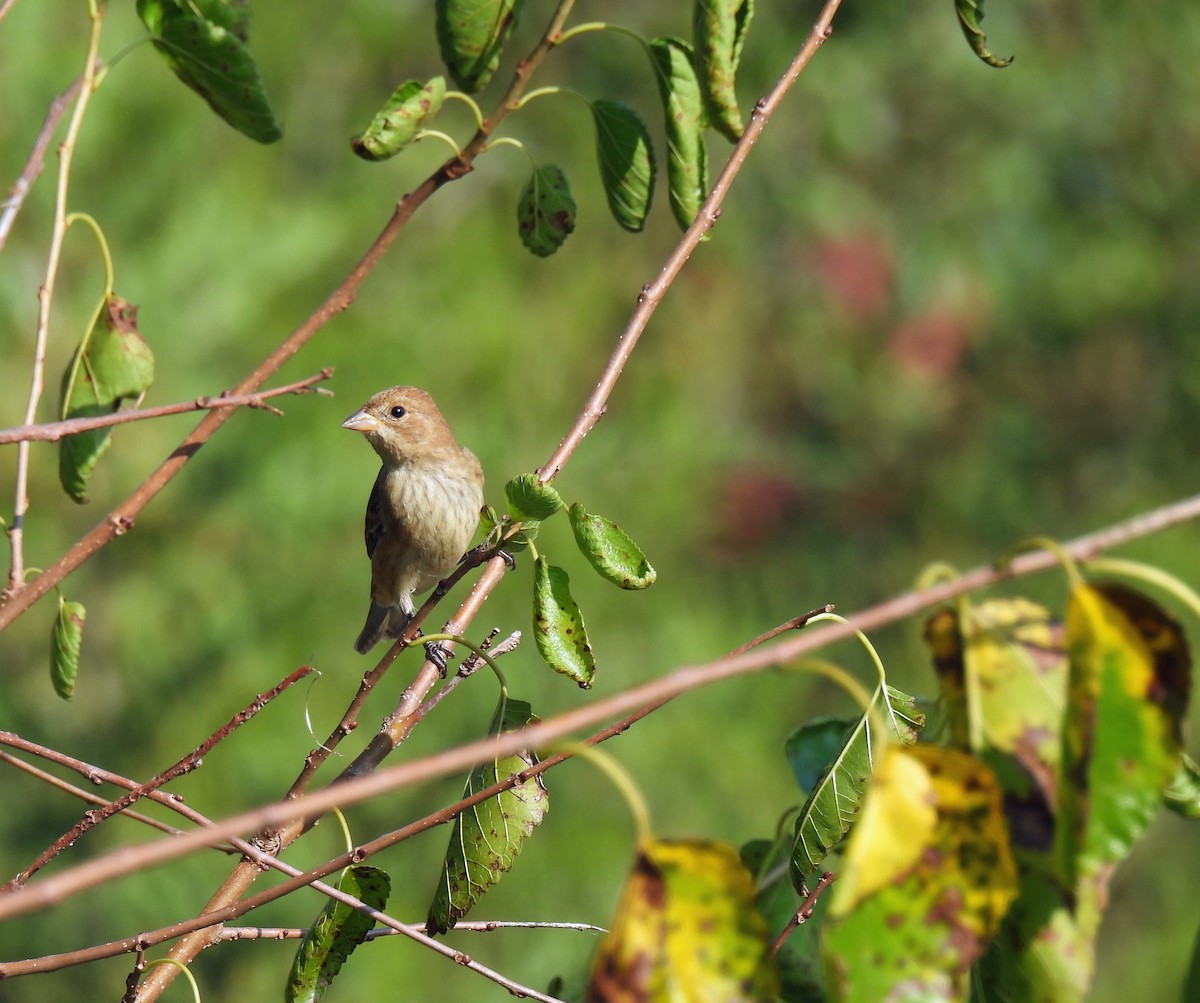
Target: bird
<point>423,509</point>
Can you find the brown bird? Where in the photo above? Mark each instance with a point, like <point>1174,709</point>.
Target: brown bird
<point>423,508</point>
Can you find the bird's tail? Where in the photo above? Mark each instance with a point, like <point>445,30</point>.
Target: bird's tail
<point>382,621</point>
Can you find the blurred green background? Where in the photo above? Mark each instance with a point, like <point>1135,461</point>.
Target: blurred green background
<point>946,308</point>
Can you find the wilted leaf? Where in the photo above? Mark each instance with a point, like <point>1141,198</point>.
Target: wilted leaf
<point>203,41</point>
<point>720,31</point>
<point>686,929</point>
<point>834,801</point>
<point>558,625</point>
<point>403,115</point>
<point>529,499</point>
<point>1130,675</point>
<point>932,904</point>
<point>336,933</point>
<point>65,641</point>
<point>487,837</point>
<point>970,18</point>
<point>626,162</point>
<point>472,35</point>
<point>112,364</point>
<point>610,550</point>
<point>545,211</point>
<point>683,122</point>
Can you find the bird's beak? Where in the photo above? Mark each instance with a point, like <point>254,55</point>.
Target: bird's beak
<point>360,421</point>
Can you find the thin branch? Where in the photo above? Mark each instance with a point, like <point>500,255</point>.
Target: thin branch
<point>478,926</point>
<point>37,157</point>
<point>52,431</point>
<point>182,767</point>
<point>805,912</point>
<point>87,85</point>
<point>681,680</point>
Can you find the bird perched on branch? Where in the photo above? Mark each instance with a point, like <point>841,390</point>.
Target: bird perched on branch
<point>423,509</point>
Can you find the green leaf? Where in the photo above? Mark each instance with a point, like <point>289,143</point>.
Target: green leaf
<point>683,122</point>
<point>1182,795</point>
<point>558,625</point>
<point>403,115</point>
<point>487,837</point>
<point>65,641</point>
<point>545,211</point>
<point>928,877</point>
<point>336,933</point>
<point>970,18</point>
<point>113,363</point>
<point>529,499</point>
<point>472,35</point>
<point>626,162</point>
<point>811,747</point>
<point>686,929</point>
<point>835,800</point>
<point>610,551</point>
<point>203,41</point>
<point>719,27</point>
<point>1130,672</point>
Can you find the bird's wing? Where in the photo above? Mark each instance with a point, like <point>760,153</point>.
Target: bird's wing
<point>373,530</point>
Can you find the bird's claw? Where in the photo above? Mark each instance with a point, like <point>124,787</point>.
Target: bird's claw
<point>437,654</point>
<point>508,559</point>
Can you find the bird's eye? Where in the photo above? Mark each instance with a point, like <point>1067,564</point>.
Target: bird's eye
<point>398,412</point>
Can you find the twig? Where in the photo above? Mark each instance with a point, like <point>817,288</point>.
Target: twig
<point>37,158</point>
<point>87,86</point>
<point>479,926</point>
<point>804,913</point>
<point>52,431</point>
<point>184,766</point>
<point>680,680</point>
<point>79,792</point>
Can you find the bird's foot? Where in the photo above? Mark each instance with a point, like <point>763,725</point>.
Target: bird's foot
<point>437,653</point>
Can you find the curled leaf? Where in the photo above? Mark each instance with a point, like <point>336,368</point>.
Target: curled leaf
<point>970,18</point>
<point>530,499</point>
<point>683,122</point>
<point>626,162</point>
<point>112,364</point>
<point>558,625</point>
<point>486,838</point>
<point>403,115</point>
<point>472,35</point>
<point>336,933</point>
<point>610,550</point>
<point>720,31</point>
<point>545,211</point>
<point>203,41</point>
<point>65,641</point>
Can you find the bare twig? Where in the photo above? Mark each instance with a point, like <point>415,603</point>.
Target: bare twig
<point>805,912</point>
<point>37,157</point>
<point>184,766</point>
<point>479,926</point>
<point>52,431</point>
<point>87,85</point>
<point>680,680</point>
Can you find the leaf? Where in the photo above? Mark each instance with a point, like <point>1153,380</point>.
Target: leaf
<point>558,625</point>
<point>401,118</point>
<point>610,551</point>
<point>336,933</point>
<point>683,122</point>
<point>203,41</point>
<point>915,930</point>
<point>529,499</point>
<point>1182,795</point>
<point>487,837</point>
<point>810,748</point>
<point>1130,674</point>
<point>65,641</point>
<point>970,18</point>
<point>626,162</point>
<point>545,211</point>
<point>472,35</point>
<point>113,363</point>
<point>719,27</point>
<point>686,929</point>
<point>835,800</point>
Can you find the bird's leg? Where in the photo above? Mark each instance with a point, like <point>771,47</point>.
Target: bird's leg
<point>436,652</point>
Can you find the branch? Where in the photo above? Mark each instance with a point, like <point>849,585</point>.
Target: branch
<point>680,680</point>
<point>52,431</point>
